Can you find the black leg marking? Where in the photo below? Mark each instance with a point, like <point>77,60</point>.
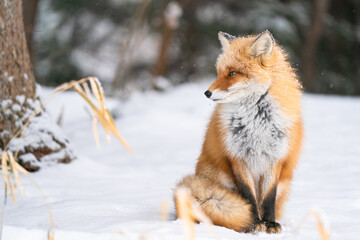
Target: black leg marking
<point>268,212</point>
<point>245,192</point>
<point>268,205</point>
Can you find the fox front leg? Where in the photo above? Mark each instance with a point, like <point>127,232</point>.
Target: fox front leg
<point>246,191</point>
<point>267,205</point>
<point>246,188</point>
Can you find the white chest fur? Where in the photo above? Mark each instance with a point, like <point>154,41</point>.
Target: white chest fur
<point>256,132</point>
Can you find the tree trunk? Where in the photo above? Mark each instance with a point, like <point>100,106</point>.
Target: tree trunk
<point>132,40</point>
<point>19,100</point>
<point>171,17</point>
<point>357,61</point>
<point>16,75</point>
<point>29,13</point>
<point>161,63</point>
<point>312,38</point>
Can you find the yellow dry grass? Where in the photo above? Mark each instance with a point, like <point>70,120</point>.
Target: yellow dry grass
<point>164,210</point>
<point>98,110</point>
<point>11,171</point>
<point>12,181</point>
<point>189,212</point>
<point>321,227</point>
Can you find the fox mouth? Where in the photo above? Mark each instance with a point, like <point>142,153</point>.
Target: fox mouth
<point>222,96</point>
<point>221,100</point>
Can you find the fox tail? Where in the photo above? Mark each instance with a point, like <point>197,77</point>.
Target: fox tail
<point>223,206</point>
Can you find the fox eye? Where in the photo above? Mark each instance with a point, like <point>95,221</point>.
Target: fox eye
<point>232,73</point>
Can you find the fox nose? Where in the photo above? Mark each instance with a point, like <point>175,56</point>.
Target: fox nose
<point>208,93</point>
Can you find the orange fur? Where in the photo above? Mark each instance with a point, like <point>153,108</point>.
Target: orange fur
<point>217,172</point>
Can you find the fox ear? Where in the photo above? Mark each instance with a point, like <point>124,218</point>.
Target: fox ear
<point>225,39</point>
<point>262,45</point>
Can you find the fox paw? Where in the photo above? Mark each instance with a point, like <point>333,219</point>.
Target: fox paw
<point>258,226</point>
<point>251,230</point>
<point>272,227</point>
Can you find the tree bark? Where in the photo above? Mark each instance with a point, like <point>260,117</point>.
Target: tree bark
<point>171,17</point>
<point>18,96</point>
<point>127,50</point>
<point>357,61</point>
<point>29,13</point>
<point>161,63</point>
<point>312,38</point>
<point>16,75</point>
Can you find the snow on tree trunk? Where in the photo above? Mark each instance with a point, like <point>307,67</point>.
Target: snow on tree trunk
<point>42,142</point>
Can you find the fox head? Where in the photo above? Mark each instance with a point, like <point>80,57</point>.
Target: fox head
<point>242,67</point>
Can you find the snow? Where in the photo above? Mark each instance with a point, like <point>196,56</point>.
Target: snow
<point>7,112</point>
<point>61,154</point>
<point>5,103</point>
<point>40,139</point>
<point>16,107</point>
<point>162,83</point>
<point>29,157</point>
<point>39,134</point>
<point>112,194</point>
<point>20,99</point>
<point>34,104</point>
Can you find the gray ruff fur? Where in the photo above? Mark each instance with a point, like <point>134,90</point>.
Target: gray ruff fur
<point>255,131</point>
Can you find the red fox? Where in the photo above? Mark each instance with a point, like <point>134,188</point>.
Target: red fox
<point>253,141</point>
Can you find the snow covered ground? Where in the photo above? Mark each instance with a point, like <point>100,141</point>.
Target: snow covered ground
<point>112,194</point>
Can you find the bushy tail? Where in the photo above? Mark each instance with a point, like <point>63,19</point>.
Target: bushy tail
<point>221,205</point>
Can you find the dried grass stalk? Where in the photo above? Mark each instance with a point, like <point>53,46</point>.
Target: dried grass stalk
<point>322,228</point>
<point>164,210</point>
<point>60,118</point>
<point>8,164</point>
<point>190,212</point>
<point>93,117</point>
<point>12,181</point>
<point>98,109</point>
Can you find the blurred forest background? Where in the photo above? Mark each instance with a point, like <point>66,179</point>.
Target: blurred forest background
<point>143,44</point>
